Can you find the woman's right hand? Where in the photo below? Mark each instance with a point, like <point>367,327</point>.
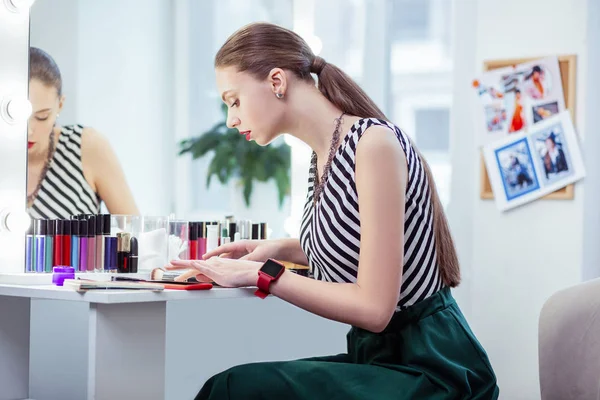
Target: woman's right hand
<point>251,250</point>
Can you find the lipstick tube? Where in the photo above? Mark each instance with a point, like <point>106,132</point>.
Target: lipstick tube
<point>263,231</point>
<point>201,229</point>
<point>50,229</point>
<point>91,244</point>
<point>65,259</point>
<point>133,258</point>
<point>110,254</point>
<point>59,238</point>
<point>255,232</point>
<point>102,231</point>
<point>83,245</point>
<point>123,252</point>
<point>193,240</point>
<point>74,243</point>
<point>40,231</point>
<point>232,231</point>
<point>30,250</point>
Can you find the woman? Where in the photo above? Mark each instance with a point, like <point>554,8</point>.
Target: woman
<point>373,232</point>
<point>70,169</point>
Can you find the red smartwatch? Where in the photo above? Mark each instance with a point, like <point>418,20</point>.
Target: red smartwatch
<point>268,273</point>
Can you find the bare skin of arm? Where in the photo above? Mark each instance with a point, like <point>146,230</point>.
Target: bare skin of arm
<point>103,172</point>
<point>370,303</point>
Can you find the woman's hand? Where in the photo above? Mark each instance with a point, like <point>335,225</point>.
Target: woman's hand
<point>251,250</point>
<point>223,271</point>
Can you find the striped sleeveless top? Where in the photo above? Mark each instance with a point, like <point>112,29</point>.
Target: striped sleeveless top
<point>64,190</point>
<point>330,232</point>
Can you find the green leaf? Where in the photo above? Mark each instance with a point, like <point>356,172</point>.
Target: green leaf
<point>233,156</point>
<point>247,190</point>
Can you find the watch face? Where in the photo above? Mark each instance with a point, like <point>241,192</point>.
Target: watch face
<point>272,268</point>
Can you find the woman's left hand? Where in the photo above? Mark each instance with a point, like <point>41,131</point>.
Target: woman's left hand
<point>224,272</point>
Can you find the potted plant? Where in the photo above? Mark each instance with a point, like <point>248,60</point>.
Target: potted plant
<point>235,157</point>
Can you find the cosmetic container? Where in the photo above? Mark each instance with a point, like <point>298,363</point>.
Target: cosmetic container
<point>212,237</point>
<point>179,246</point>
<point>91,244</point>
<point>133,255</point>
<point>66,245</point>
<point>193,240</point>
<point>30,250</point>
<point>50,229</point>
<point>201,226</point>
<point>83,245</point>
<point>62,272</point>
<point>110,254</point>
<point>40,230</point>
<point>263,230</point>
<point>74,243</point>
<point>123,249</point>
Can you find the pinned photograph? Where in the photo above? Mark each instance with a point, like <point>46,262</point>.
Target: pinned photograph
<point>553,154</point>
<point>495,115</point>
<point>528,93</point>
<point>544,111</point>
<point>515,163</point>
<point>531,164</point>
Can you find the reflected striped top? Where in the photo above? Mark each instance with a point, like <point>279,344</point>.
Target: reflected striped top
<point>65,191</point>
<point>330,232</point>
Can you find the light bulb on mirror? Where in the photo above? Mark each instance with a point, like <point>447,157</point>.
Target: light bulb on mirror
<point>14,220</point>
<point>18,6</point>
<point>16,110</point>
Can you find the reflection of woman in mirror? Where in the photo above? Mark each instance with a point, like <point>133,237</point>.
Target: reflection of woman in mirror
<point>70,169</point>
<point>518,120</point>
<point>536,83</point>
<point>374,234</point>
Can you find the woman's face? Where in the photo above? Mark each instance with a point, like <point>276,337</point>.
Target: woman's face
<point>46,105</point>
<point>253,108</point>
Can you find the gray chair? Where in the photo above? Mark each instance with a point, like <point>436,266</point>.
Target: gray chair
<point>569,344</point>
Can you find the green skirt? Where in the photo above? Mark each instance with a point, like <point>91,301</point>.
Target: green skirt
<point>426,352</point>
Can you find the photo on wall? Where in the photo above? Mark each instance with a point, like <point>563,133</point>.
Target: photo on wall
<point>552,153</point>
<point>526,166</point>
<point>527,94</point>
<point>515,164</point>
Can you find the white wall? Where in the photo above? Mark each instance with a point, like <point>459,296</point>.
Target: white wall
<point>116,61</point>
<point>513,261</point>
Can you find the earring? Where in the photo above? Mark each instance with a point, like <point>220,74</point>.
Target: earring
<point>279,95</point>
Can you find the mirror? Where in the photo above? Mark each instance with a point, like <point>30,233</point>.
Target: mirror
<point>136,78</point>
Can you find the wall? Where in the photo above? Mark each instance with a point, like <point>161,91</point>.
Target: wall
<point>116,61</point>
<point>516,260</point>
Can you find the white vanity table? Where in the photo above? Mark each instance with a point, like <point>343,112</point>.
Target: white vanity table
<point>56,343</point>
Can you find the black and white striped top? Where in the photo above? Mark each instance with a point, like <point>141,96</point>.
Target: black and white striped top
<point>330,232</point>
<point>64,191</point>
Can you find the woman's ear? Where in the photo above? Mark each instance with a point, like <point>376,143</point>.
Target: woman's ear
<point>278,82</point>
<point>61,103</point>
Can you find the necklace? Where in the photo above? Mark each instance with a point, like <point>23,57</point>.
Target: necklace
<point>31,198</point>
<point>319,184</point>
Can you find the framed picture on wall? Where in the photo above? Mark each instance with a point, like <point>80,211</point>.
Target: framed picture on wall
<point>539,109</point>
<point>526,166</point>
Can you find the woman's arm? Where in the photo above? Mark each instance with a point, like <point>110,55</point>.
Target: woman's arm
<point>102,170</point>
<point>290,250</point>
<point>381,177</point>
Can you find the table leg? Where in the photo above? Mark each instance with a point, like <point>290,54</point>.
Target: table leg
<point>14,347</point>
<point>97,351</point>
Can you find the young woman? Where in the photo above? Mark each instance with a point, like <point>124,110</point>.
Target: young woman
<point>374,234</point>
<point>70,169</point>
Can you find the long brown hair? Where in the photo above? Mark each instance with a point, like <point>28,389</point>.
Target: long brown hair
<point>258,48</point>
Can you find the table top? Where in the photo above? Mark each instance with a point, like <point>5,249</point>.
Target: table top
<point>112,296</point>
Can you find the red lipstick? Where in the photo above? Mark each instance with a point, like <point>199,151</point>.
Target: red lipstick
<point>30,144</point>
<point>247,134</point>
